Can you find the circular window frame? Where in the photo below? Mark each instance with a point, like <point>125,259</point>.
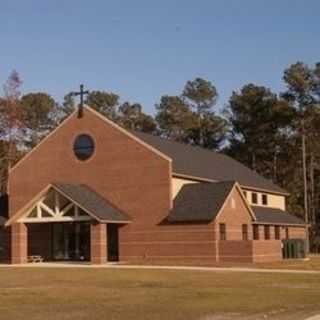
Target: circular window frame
<point>74,149</point>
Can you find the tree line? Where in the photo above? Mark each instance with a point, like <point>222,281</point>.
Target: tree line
<point>273,133</point>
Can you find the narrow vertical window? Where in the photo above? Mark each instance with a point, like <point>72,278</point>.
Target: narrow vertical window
<point>245,194</point>
<point>245,232</point>
<point>254,198</point>
<point>267,232</point>
<point>287,233</point>
<point>264,199</point>
<point>223,231</point>
<point>277,232</point>
<point>255,232</point>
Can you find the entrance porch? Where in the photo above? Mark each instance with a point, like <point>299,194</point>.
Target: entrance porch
<point>66,242</point>
<point>67,224</point>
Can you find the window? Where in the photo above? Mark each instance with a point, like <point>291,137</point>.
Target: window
<point>264,199</point>
<point>287,233</point>
<point>255,232</point>
<point>83,147</point>
<point>254,198</point>
<point>222,231</point>
<point>267,232</point>
<point>245,194</point>
<point>277,232</point>
<point>245,232</point>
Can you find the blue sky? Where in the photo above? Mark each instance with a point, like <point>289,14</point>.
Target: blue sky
<point>143,49</point>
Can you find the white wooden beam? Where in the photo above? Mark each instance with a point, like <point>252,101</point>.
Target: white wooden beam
<point>56,202</point>
<point>66,209</point>
<point>43,206</point>
<point>55,219</point>
<point>56,215</point>
<point>38,211</point>
<point>76,211</point>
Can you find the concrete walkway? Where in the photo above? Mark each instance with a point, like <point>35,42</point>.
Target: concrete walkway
<point>154,267</point>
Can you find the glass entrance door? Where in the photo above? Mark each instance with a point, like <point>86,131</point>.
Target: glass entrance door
<point>61,240</point>
<point>71,241</point>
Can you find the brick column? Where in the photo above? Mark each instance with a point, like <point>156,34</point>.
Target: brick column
<point>216,241</point>
<point>19,243</point>
<point>98,243</point>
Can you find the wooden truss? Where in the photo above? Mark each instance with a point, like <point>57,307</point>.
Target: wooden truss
<point>54,207</point>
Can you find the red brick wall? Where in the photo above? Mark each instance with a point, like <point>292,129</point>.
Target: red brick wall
<point>235,251</point>
<point>266,251</point>
<point>98,243</point>
<point>127,173</point>
<point>234,217</point>
<point>250,251</point>
<point>19,243</point>
<point>297,233</point>
<point>187,243</point>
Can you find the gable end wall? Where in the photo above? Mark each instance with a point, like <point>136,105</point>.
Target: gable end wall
<point>128,174</point>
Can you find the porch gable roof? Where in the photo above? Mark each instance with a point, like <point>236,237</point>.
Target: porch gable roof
<point>92,202</point>
<point>85,198</point>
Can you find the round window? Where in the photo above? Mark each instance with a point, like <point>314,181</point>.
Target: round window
<point>83,147</point>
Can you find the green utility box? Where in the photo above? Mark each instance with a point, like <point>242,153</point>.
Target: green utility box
<point>294,249</point>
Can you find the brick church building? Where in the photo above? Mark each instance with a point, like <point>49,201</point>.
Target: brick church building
<point>93,191</point>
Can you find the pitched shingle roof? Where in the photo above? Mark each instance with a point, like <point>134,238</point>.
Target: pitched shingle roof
<point>199,202</point>
<point>198,162</point>
<point>92,202</point>
<point>277,216</point>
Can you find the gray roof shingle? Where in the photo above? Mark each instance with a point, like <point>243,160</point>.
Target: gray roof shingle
<point>199,202</point>
<point>202,163</point>
<point>92,202</point>
<point>277,216</point>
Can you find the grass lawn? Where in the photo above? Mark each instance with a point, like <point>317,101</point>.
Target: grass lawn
<point>84,293</point>
<point>313,263</point>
